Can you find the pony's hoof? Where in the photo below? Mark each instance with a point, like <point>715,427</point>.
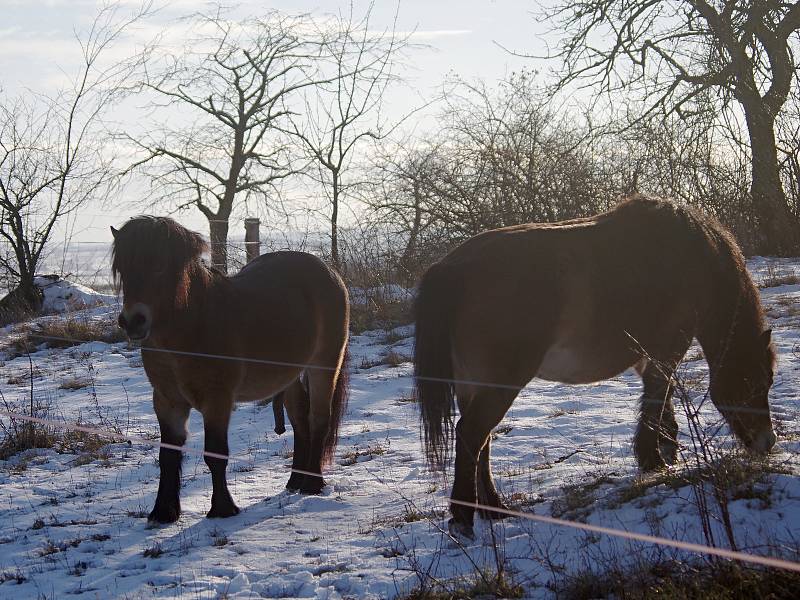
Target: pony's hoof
<point>295,482</point>
<point>461,531</point>
<point>651,465</point>
<point>312,486</point>
<point>670,454</point>
<point>162,515</point>
<point>491,515</point>
<point>223,512</point>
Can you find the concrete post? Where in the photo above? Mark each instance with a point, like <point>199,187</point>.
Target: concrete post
<point>252,241</point>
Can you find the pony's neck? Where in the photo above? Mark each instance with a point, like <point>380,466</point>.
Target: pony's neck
<point>731,329</point>
<point>189,305</point>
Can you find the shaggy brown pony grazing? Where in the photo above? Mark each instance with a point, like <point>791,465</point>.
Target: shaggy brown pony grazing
<point>578,302</point>
<point>209,340</point>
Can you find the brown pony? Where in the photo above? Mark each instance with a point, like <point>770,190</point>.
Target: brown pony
<point>578,302</point>
<point>209,340</point>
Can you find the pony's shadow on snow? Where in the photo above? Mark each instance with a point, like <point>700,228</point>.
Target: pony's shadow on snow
<point>281,505</point>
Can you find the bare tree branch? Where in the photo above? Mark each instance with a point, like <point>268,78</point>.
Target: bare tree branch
<point>53,154</point>
<point>238,85</point>
<point>672,54</point>
<point>346,110</point>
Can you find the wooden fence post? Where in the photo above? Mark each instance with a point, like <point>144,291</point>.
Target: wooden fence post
<point>252,241</point>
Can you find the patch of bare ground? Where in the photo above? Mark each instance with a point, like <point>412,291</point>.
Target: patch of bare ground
<point>352,456</point>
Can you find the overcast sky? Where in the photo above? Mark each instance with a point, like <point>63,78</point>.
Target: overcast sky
<point>38,50</point>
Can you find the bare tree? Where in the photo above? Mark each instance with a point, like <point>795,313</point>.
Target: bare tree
<point>789,151</point>
<point>502,157</point>
<point>703,165</point>
<point>671,52</point>
<point>507,157</point>
<point>397,196</point>
<point>224,101</point>
<point>53,152</point>
<point>340,115</point>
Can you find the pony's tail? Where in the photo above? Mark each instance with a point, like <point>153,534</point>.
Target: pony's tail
<point>433,366</point>
<point>341,394</point>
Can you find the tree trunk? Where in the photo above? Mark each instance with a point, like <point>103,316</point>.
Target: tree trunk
<point>219,243</point>
<point>409,262</point>
<point>21,302</point>
<point>778,231</point>
<point>335,224</point>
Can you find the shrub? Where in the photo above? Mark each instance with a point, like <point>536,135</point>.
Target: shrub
<point>19,435</point>
<point>680,581</point>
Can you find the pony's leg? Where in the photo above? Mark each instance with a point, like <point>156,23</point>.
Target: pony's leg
<point>297,407</point>
<point>487,492</point>
<point>215,424</point>
<point>657,427</point>
<point>277,413</point>
<point>172,420</point>
<point>483,413</point>
<point>321,385</point>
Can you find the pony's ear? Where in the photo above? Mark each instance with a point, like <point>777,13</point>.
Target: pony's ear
<point>114,232</point>
<point>766,338</point>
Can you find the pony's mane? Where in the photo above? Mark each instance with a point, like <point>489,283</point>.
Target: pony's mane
<point>737,302</point>
<point>148,245</point>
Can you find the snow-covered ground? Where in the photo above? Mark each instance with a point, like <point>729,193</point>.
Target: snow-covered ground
<point>76,524</point>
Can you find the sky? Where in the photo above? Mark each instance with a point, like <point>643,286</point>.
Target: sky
<point>468,38</point>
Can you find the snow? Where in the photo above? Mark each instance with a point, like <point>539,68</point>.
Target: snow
<point>76,524</point>
<point>62,296</point>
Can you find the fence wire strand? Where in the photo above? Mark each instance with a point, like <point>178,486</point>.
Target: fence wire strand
<point>766,561</point>
<point>621,533</point>
<point>309,366</point>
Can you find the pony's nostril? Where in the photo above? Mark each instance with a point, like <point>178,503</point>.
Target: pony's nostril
<point>137,321</point>
<point>122,321</point>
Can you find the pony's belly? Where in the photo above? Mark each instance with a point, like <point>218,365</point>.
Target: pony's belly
<point>568,364</point>
<point>260,386</point>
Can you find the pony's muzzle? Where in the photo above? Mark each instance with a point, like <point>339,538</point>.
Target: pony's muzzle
<point>764,442</point>
<point>136,321</point>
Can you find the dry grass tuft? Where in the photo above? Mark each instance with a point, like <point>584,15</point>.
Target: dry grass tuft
<point>777,275</point>
<point>62,333</point>
<point>19,435</point>
<point>75,383</point>
<point>480,584</point>
<point>379,313</point>
<point>680,581</point>
<point>395,359</point>
<point>153,551</point>
<point>369,452</point>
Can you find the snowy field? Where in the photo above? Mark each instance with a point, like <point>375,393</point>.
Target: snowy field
<point>75,524</point>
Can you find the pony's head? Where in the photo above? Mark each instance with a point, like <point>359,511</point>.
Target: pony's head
<point>152,262</point>
<point>739,390</point>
